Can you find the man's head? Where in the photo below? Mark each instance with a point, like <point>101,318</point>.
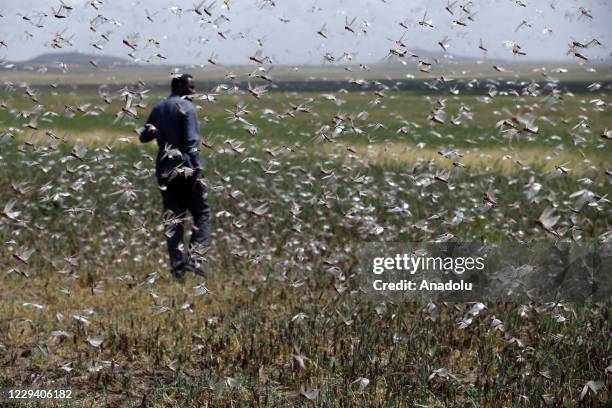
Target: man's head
<point>183,85</point>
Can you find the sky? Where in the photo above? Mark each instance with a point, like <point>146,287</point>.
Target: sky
<point>286,30</point>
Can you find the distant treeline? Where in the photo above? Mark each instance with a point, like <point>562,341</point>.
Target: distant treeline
<point>436,86</point>
<point>474,87</point>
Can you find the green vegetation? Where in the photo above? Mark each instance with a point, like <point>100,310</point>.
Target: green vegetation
<point>281,321</point>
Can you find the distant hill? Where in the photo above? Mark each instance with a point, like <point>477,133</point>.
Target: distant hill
<point>441,55</point>
<point>74,58</point>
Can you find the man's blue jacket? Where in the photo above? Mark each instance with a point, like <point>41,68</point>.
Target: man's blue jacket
<point>173,122</point>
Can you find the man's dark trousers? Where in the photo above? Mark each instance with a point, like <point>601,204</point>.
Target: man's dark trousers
<point>178,197</point>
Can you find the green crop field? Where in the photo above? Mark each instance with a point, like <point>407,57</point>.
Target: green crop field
<point>298,186</point>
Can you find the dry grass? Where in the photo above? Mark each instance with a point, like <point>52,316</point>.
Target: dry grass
<point>500,160</point>
<point>166,346</point>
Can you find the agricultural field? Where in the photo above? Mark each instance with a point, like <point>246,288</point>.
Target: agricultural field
<point>299,183</point>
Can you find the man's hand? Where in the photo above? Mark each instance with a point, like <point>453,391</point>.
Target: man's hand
<point>198,185</point>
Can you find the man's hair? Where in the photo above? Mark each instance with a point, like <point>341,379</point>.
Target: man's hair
<point>180,81</point>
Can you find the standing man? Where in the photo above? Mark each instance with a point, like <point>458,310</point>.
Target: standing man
<point>173,122</point>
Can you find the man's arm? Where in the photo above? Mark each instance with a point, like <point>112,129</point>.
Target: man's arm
<point>192,144</point>
<point>150,129</point>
